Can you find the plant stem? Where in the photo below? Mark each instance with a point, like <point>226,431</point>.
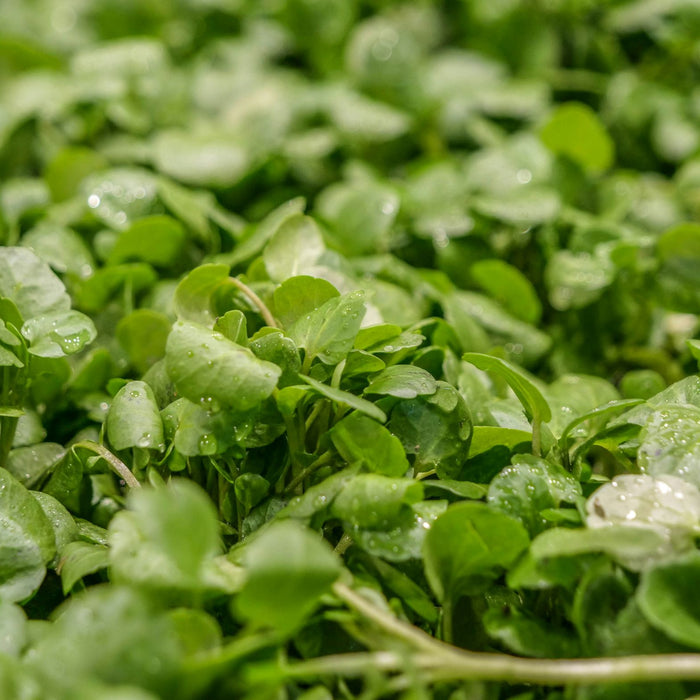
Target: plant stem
<point>536,436</point>
<point>257,301</point>
<point>445,662</point>
<point>114,462</point>
<point>324,459</point>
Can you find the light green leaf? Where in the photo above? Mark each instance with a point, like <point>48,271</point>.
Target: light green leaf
<point>300,295</point>
<point>469,544</point>
<point>59,334</point>
<point>359,438</point>
<point>134,420</point>
<point>193,296</point>
<point>80,559</point>
<point>294,248</point>
<point>403,381</point>
<point>143,334</point>
<point>205,365</point>
<point>287,552</point>
<point>575,131</point>
<point>346,398</point>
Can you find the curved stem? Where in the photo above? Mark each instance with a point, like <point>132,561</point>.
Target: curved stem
<point>257,301</point>
<point>445,662</point>
<point>114,462</point>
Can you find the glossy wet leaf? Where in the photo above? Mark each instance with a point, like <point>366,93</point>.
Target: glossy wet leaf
<point>288,551</point>
<point>402,381</point>
<point>529,486</point>
<point>133,419</point>
<point>193,296</point>
<point>467,546</point>
<point>329,332</point>
<point>374,501</point>
<point>345,398</point>
<point>29,282</point>
<point>435,429</point>
<point>300,295</point>
<point>80,559</point>
<point>26,541</point>
<point>59,334</point>
<point>204,364</point>
<point>358,438</point>
<point>294,248</point>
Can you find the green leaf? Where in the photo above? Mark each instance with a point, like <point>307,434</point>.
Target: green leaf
<point>361,439</point>
<point>65,530</point>
<point>667,597</point>
<point>143,334</point>
<point>26,541</point>
<point>234,326</point>
<point>527,392</point>
<point>510,287</point>
<point>157,240</point>
<point>81,559</point>
<point>9,359</point>
<point>134,420</point>
<point>300,295</point>
<point>29,282</point>
<point>168,541</point>
<point>577,279</point>
<point>63,249</point>
<point>436,429</point>
<point>345,398</point>
<point>403,381</point>
<point>670,443</point>
<point>679,256</point>
<point>329,332</point>
<point>373,501</point>
<point>294,248</point>
<point>205,365</point>
<point>529,486</point>
<point>287,552</point>
<point>575,131</point>
<point>193,296</point>
<point>471,543</point>
<point>69,167</point>
<point>13,629</point>
<point>97,291</point>
<point>59,334</point>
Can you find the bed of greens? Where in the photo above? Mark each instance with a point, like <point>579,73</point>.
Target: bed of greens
<point>349,349</point>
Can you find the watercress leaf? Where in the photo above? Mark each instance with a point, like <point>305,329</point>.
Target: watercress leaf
<point>667,504</point>
<point>666,597</point>
<point>193,296</point>
<point>359,362</point>
<point>530,485</point>
<point>525,389</point>
<point>508,286</point>
<point>253,243</point>
<point>294,248</point>
<point>462,489</point>
<point>577,279</point>
<point>9,359</point>
<point>404,540</point>
<point>143,334</point>
<point>529,636</point>
<point>133,419</point>
<point>679,256</point>
<point>251,489</point>
<point>201,431</point>
<point>300,295</point>
<point>167,539</point>
<point>402,381</point>
<point>575,131</point>
<point>285,551</point>
<point>204,364</point>
<point>62,248</point>
<point>670,443</point>
<point>115,634</point>
<point>26,541</point>
<point>346,398</point>
<point>95,292</point>
<point>329,332</point>
<point>374,501</point>
<point>273,346</point>
<point>436,429</point>
<point>528,206</point>
<point>65,530</point>
<point>13,629</point>
<point>30,284</point>
<point>30,464</point>
<point>157,240</point>
<point>361,439</point>
<point>80,559</point>
<point>59,334</point>
<point>469,544</point>
<point>634,547</point>
<point>234,326</point>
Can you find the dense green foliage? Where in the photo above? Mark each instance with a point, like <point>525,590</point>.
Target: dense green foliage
<point>342,341</point>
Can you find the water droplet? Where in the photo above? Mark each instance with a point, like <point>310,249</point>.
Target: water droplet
<point>93,201</point>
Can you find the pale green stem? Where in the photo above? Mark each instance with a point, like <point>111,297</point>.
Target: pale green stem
<point>257,301</point>
<point>445,662</point>
<point>114,462</point>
